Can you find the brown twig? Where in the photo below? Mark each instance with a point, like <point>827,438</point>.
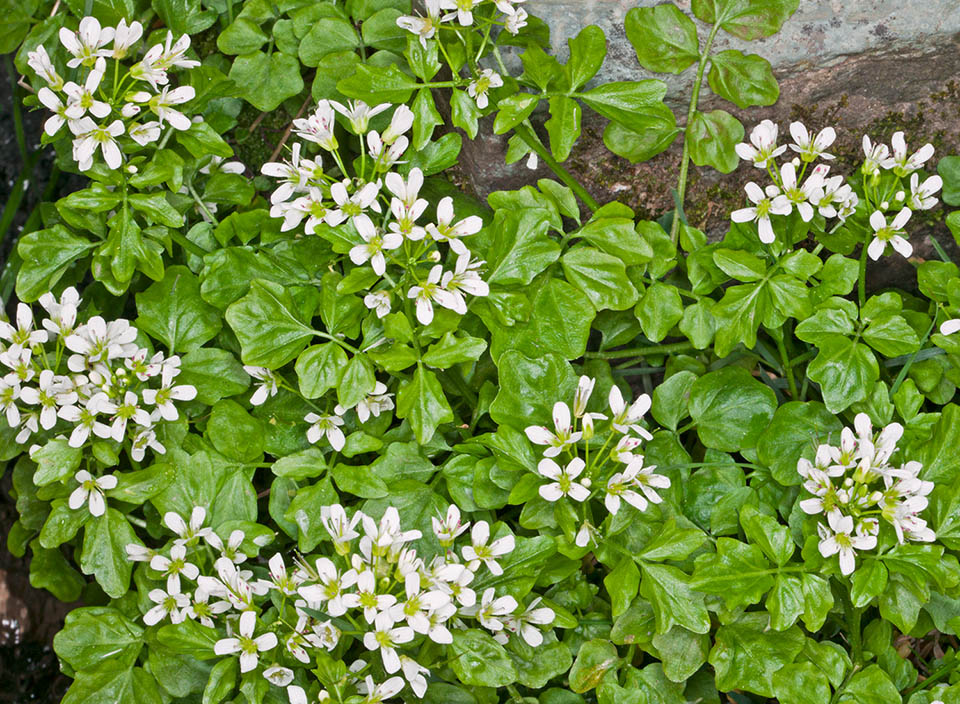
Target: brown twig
<point>27,86</point>
<point>256,123</point>
<point>286,135</point>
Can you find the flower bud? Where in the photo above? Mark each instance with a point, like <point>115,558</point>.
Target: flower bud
<point>434,256</point>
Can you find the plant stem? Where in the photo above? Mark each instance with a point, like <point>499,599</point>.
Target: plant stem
<point>787,368</point>
<point>189,246</point>
<point>853,615</point>
<point>862,278</point>
<point>525,133</point>
<point>685,159</point>
<point>671,348</point>
<point>906,367</point>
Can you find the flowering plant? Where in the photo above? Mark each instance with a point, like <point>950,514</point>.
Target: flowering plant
<point>318,425</point>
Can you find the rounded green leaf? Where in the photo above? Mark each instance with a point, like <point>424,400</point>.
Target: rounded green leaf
<point>731,408</point>
<point>795,431</point>
<point>744,80</point>
<point>664,38</point>
<point>711,137</point>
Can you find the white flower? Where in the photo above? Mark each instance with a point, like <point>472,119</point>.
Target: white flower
<point>840,538</point>
<point>334,519</point>
<point>330,587</point>
<point>63,314</point>
<point>385,155</point>
<point>900,162</point>
<point>86,44</point>
<point>427,292</point>
<point>89,136</point>
<point>563,435</point>
<point>479,88</point>
<point>479,552</point>
<point>464,10</point>
<point>202,610</point>
<point>463,279</point>
<point>175,565</point>
<point>164,397</point>
<point>490,609</point>
<point>278,675</point>
<point>424,27</point>
<point>526,623</point>
<point>922,195</point>
<point>51,101</point>
<point>328,425</point>
<point>23,336</point>
<point>892,233</point>
<point>52,391</point>
<point>375,242</point>
<point>294,173</point>
<point>268,384</point>
<point>765,204</point>
<point>374,403</point>
<point>359,113</point>
<point>799,195</point>
<point>167,604</point>
<point>400,122</point>
<point>764,147</point>
<point>448,528</point>
<point>563,483</point>
<point>832,190</point>
<point>367,598</point>
<point>353,206</point>
<point>143,439</point>
<point>245,644</point>
<point>947,328</point>
<point>876,156</point>
<point>415,674</point>
<point>145,133</point>
<point>385,638</point>
<point>39,61</point>
<point>162,104</point>
<point>91,491</point>
<point>627,417</point>
<point>513,24</point>
<point>377,693</point>
<point>170,55</point>
<point>189,534</point>
<point>9,393</point>
<point>125,36</point>
<point>318,127</point>
<point>378,301</point>
<point>80,99</point>
<point>811,147</point>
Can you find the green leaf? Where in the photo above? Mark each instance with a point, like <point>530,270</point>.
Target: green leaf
<point>619,237</point>
<point>223,678</point>
<point>214,373</point>
<point>480,660</point>
<point>359,379</point>
<point>157,208</point>
<point>326,36</point>
<point>795,431</point>
<point>737,571</point>
<point>513,110</point>
<point>450,350</point>
<point>242,36</point>
<point>949,169</point>
<point>538,665</point>
<point>319,368</point>
<point>464,112</point>
<point>891,335</point>
<point>870,686</point>
<point>426,118</point>
<point>649,134</point>
<point>587,52</point>
<point>738,315</point>
<point>304,510</point>
<point>745,655</point>
<point>744,80</point>
<point>141,485</point>
<point>563,127</point>
<point>521,247</point>
<point>675,603</point>
<point>730,408</point>
<point>941,461</point>
<point>602,277</point>
<point>378,84</point>
<point>624,101</point>
<point>202,140</point>
<point>108,684</point>
<point>95,634</point>
<point>801,683</point>
<point>56,461</point>
<point>845,371</point>
<point>189,638</point>
<point>746,19</point>
<point>104,552</point>
<point>235,433</point>
<point>266,81</point>
<point>698,324</point>
<point>381,31</point>
<point>595,658</point>
<point>184,16</point>
<point>172,311</point>
<point>46,256</point>
<point>768,534</point>
<point>740,265</point>
<point>529,388</point>
<point>268,326</point>
<point>711,138</point>
<point>622,584</point>
<point>659,310</point>
<point>670,399</point>
<point>422,402</point>
<point>664,38</point>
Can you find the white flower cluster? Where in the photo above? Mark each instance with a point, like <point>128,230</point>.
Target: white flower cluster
<point>328,424</point>
<point>855,485</point>
<point>831,197</point>
<point>86,108</point>
<point>375,591</point>
<point>389,231</point>
<point>111,388</point>
<point>634,483</point>
<point>440,12</point>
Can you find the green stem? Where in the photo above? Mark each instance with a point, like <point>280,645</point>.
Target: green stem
<point>853,615</point>
<point>672,348</point>
<point>691,111</point>
<point>189,246</point>
<point>862,278</point>
<point>906,367</point>
<point>201,204</point>
<point>525,133</point>
<point>787,368</point>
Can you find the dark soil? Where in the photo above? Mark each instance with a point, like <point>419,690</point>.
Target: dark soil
<point>29,618</point>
